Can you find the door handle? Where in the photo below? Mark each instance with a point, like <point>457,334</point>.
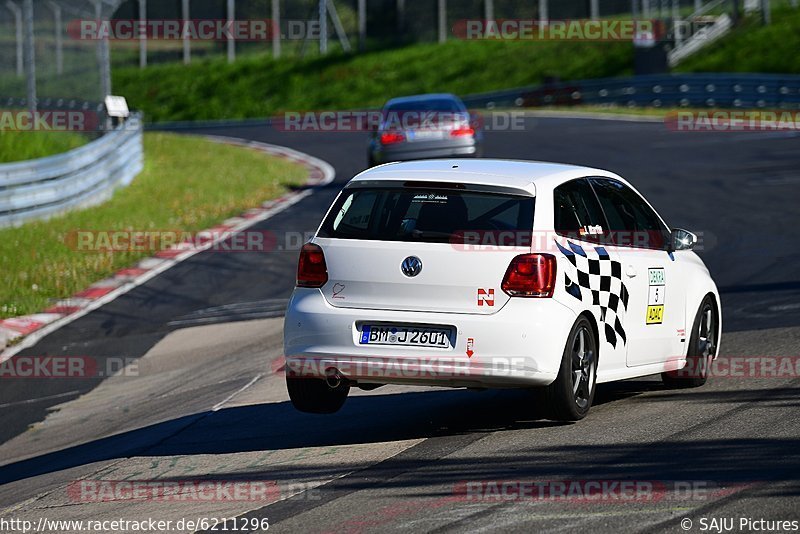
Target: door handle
<point>630,271</point>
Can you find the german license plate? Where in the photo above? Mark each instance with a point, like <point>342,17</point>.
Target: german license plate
<point>424,135</point>
<point>405,336</point>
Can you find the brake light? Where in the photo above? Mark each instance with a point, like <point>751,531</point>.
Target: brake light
<point>311,269</point>
<point>531,275</point>
<point>390,138</point>
<point>461,132</point>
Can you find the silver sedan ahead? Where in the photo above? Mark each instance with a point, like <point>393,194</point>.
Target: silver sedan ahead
<point>423,127</point>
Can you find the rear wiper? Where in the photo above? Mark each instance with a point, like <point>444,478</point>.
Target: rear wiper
<point>429,233</point>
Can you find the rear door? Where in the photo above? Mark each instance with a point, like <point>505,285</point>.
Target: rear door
<point>419,246</point>
<point>655,316</point>
<point>592,271</point>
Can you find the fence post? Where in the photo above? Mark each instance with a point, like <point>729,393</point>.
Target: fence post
<point>30,53</point>
<point>17,12</point>
<point>187,45</point>
<point>323,26</point>
<point>59,36</point>
<point>103,55</point>
<point>766,12</point>
<point>488,6</point>
<point>276,29</point>
<point>142,34</point>
<point>401,18</point>
<point>362,25</point>
<point>231,40</point>
<point>594,7</point>
<point>442,21</point>
<point>544,16</point>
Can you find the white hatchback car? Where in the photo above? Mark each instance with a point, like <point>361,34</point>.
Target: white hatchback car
<point>487,273</point>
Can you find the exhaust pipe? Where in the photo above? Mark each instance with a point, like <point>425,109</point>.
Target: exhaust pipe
<point>333,378</point>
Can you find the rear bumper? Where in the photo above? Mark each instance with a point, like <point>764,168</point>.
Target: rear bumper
<point>413,151</point>
<point>520,345</point>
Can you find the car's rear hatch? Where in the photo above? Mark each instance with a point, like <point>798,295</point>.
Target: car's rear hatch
<point>456,242</point>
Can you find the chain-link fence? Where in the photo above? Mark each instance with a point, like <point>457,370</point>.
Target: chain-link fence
<point>42,64</point>
<point>56,53</point>
<point>348,24</point>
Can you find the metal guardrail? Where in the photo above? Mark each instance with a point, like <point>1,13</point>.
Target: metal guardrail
<point>766,91</point>
<point>85,176</point>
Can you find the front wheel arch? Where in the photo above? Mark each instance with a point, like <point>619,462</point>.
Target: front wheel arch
<point>718,308</point>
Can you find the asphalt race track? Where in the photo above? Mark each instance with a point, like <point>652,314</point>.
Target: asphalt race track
<point>208,402</point>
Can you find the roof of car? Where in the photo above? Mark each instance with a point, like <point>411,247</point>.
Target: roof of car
<point>518,174</point>
<point>422,98</point>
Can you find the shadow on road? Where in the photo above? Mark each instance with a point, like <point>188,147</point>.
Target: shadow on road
<point>394,417</point>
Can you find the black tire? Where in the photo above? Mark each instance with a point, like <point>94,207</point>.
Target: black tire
<point>313,395</point>
<point>701,350</point>
<point>565,399</point>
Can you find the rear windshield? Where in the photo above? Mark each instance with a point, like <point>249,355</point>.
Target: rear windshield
<point>438,104</point>
<point>428,215</point>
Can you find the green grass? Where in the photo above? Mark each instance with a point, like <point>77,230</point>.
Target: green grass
<point>258,86</point>
<point>188,184</point>
<point>753,47</point>
<point>18,146</point>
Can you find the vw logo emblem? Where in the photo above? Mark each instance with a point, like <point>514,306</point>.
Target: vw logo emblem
<point>411,266</point>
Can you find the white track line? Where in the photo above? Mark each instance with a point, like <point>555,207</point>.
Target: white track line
<point>218,406</point>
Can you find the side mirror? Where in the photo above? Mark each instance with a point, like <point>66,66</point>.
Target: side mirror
<point>681,239</point>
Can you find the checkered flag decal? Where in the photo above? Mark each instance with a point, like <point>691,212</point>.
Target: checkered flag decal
<point>598,278</point>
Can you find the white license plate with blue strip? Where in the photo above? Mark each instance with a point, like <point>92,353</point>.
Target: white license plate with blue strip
<point>406,335</point>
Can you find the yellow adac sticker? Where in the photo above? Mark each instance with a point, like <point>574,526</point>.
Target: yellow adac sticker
<point>655,314</point>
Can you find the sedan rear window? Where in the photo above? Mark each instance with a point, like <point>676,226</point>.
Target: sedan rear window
<point>427,215</point>
<point>436,104</point>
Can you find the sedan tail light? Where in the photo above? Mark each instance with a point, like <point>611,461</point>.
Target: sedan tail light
<point>311,269</point>
<point>462,132</point>
<point>531,275</point>
<point>390,138</point>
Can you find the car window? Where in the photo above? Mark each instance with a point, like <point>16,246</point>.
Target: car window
<point>632,222</point>
<point>434,104</point>
<point>577,213</point>
<point>428,215</point>
<point>355,213</point>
